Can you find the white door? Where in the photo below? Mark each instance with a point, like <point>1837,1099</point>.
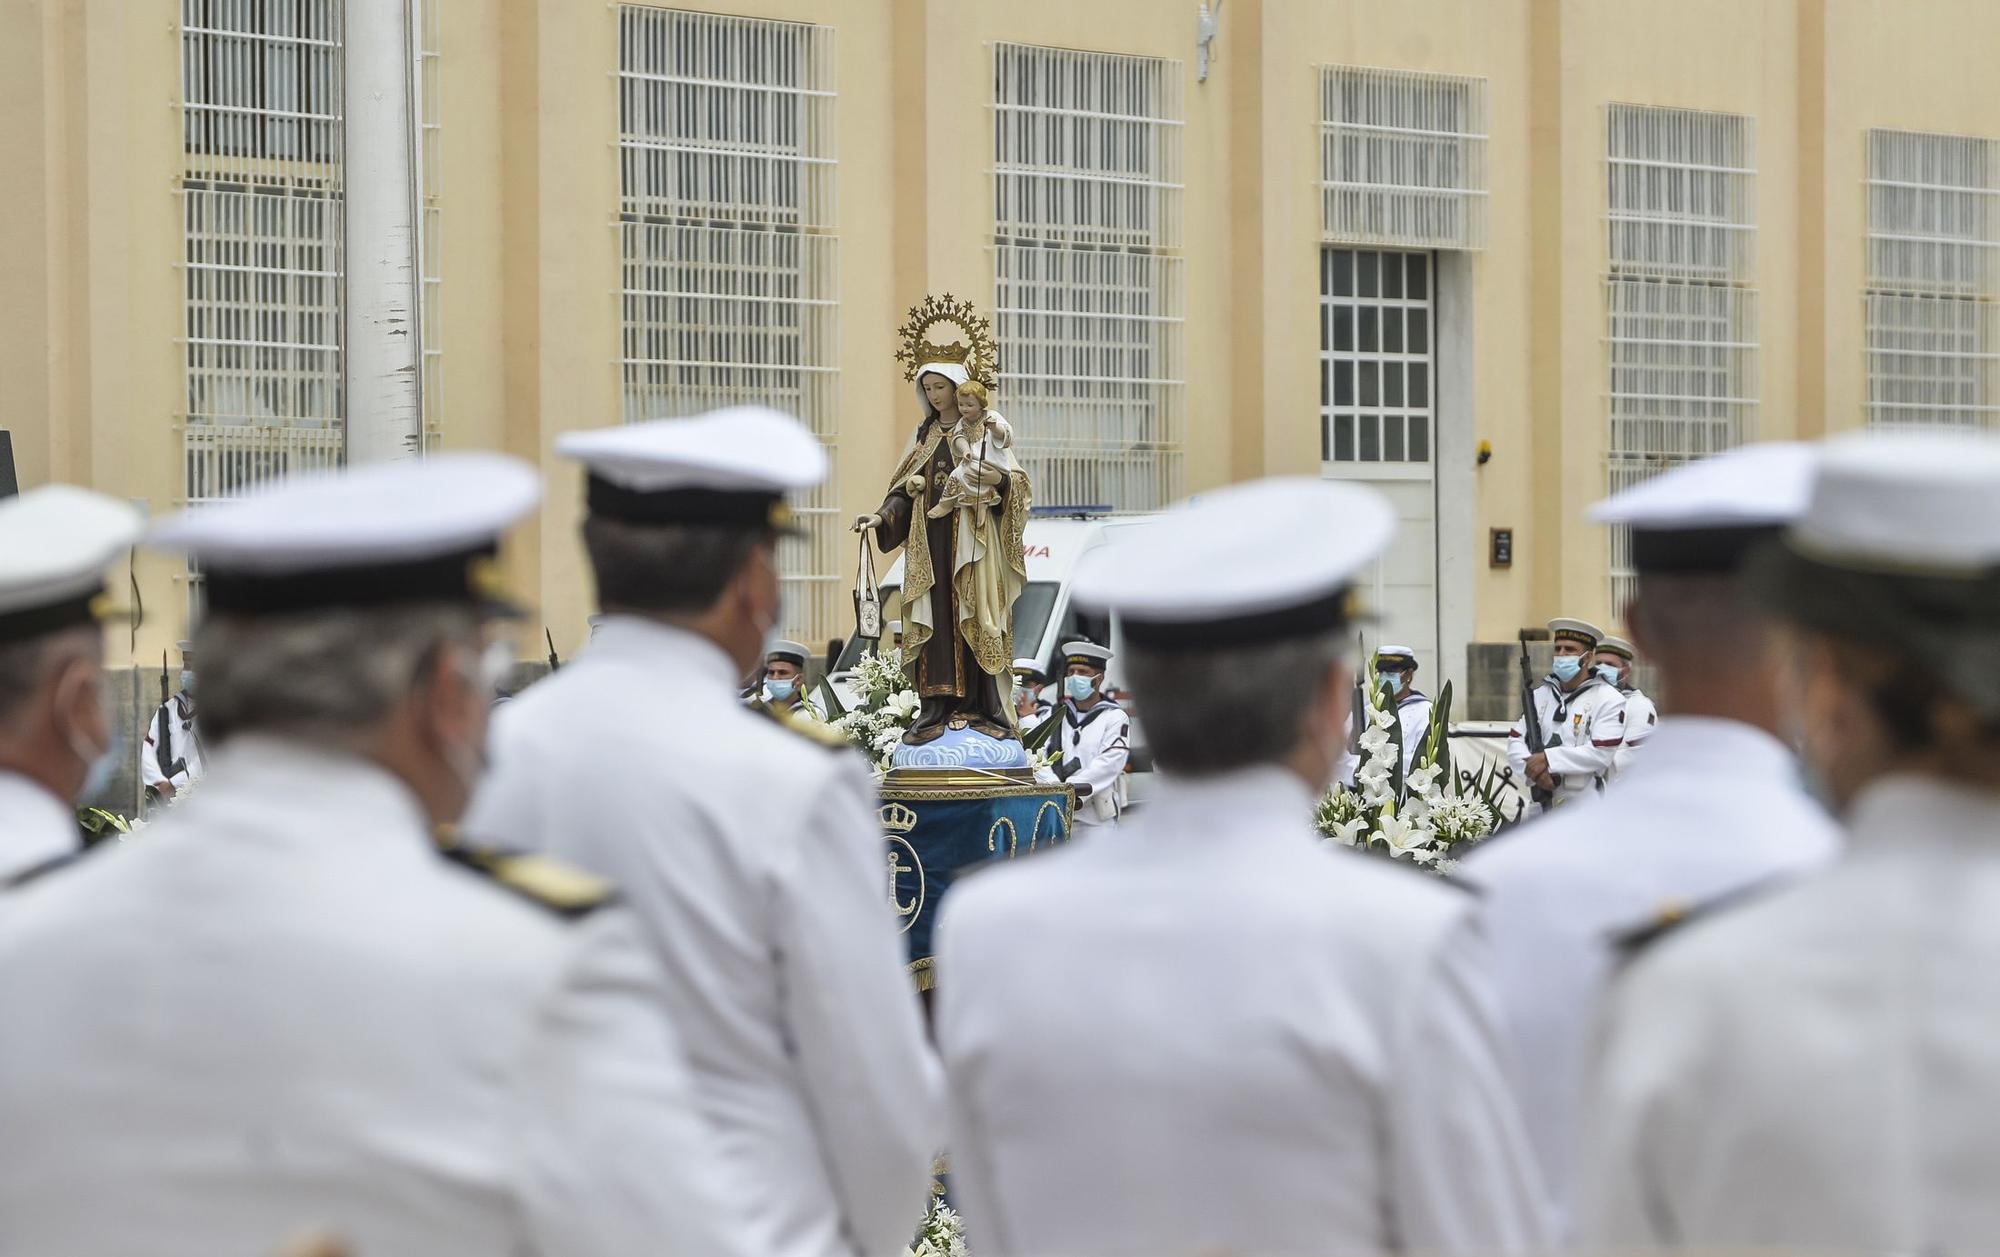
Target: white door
<point>1378,417</point>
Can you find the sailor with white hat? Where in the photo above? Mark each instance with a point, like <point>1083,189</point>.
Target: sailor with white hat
<point>746,840</point>
<point>1030,708</point>
<point>1582,723</point>
<point>1094,739</point>
<point>171,757</point>
<point>1396,672</point>
<point>299,1009</point>
<point>57,737</point>
<point>784,680</point>
<point>1613,664</point>
<point>1712,808</point>
<point>1204,1030</point>
<point>1815,1069</point>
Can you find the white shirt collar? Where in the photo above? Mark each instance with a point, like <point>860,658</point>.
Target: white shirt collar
<point>1688,744</point>
<point>35,826</point>
<point>1905,809</point>
<point>307,787</point>
<point>658,644</point>
<point>1254,793</point>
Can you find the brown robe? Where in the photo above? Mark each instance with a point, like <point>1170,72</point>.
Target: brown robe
<point>950,683</point>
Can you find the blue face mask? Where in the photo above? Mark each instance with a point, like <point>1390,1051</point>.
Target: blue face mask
<point>1077,688</point>
<point>1394,680</point>
<point>1608,673</point>
<point>1567,666</point>
<point>778,691</point>
<point>187,682</point>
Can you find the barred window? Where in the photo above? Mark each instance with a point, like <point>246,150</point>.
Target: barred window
<point>1680,292</point>
<point>1376,355</point>
<point>729,258</point>
<point>1087,267</point>
<point>261,223</point>
<point>1402,158</point>
<point>1933,228</point>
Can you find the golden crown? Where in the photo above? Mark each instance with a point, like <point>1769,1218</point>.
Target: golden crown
<point>897,819</point>
<point>972,349</point>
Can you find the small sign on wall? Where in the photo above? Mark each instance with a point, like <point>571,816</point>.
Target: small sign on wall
<point>1500,552</point>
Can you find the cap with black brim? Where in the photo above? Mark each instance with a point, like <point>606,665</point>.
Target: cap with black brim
<point>1899,547</point>
<point>387,534</point>
<point>1228,569</point>
<point>1706,518</point>
<point>728,468</point>
<point>55,542</point>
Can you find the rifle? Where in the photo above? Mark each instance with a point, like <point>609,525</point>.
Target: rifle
<point>1531,722</point>
<point>555,660</point>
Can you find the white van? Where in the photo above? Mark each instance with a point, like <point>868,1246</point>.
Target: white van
<point>1044,618</point>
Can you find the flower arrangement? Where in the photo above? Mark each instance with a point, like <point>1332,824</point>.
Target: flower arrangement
<point>884,709</point>
<point>943,1234</point>
<point>1421,816</point>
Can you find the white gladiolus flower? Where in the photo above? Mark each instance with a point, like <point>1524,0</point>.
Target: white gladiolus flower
<point>1373,743</point>
<point>1381,718</point>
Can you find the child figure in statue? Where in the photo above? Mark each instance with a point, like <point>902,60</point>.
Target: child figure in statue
<point>975,483</point>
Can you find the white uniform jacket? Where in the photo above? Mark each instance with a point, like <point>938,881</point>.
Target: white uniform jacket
<point>1414,715</point>
<point>172,742</point>
<point>35,826</point>
<point>1713,808</point>
<point>1091,749</point>
<point>754,858</point>
<point>1814,1069</point>
<point>286,1009</point>
<point>1205,1031</point>
<point>1642,720</point>
<point>1581,731</point>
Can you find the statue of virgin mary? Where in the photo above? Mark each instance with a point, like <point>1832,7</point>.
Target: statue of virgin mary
<point>961,572</point>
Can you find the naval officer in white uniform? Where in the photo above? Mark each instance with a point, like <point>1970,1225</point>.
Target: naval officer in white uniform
<point>285,1007</point>
<point>747,841</point>
<point>57,743</point>
<point>1396,671</point>
<point>1205,1030</point>
<point>1582,722</point>
<point>1816,1069</point>
<point>1615,660</point>
<point>1713,808</point>
<point>1094,738</point>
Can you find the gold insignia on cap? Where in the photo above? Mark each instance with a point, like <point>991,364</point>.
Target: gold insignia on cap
<point>483,578</point>
<point>782,515</point>
<point>100,607</point>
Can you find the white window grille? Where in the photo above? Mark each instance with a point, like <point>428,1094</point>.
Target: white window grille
<point>430,238</point>
<point>1402,158</point>
<point>1376,355</point>
<point>1090,298</point>
<point>730,262</point>
<point>261,220</point>
<point>1933,228</point>
<point>1680,291</point>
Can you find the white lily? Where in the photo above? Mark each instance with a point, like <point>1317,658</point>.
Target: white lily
<point>1402,834</point>
<point>1348,832</point>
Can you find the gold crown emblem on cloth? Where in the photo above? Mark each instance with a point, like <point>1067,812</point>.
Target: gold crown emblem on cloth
<point>972,349</point>
<point>897,819</point>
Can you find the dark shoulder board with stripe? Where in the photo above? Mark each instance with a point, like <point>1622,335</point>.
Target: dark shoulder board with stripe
<point>563,889</point>
<point>1672,914</point>
<point>55,864</point>
<point>811,730</point>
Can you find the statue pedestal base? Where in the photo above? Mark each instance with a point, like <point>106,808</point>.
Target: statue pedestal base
<point>939,823</point>
<point>962,748</point>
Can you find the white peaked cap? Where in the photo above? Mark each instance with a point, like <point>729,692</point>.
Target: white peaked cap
<point>1263,561</point>
<point>1085,652</point>
<point>1906,504</point>
<point>788,650</point>
<point>1618,646</point>
<point>415,530</point>
<point>1386,651</point>
<point>744,449</point>
<point>1027,665</point>
<point>1567,627</point>
<point>55,543</point>
<point>1752,486</point>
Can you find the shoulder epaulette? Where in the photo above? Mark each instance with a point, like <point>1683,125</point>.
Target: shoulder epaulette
<point>811,730</point>
<point>563,889</point>
<point>54,864</point>
<point>1671,914</point>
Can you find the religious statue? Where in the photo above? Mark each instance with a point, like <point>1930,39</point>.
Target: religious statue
<point>958,505</point>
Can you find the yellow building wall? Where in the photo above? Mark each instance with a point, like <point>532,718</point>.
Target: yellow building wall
<point>91,371</point>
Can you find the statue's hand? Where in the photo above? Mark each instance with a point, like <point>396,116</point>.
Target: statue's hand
<point>913,486</point>
<point>862,523</point>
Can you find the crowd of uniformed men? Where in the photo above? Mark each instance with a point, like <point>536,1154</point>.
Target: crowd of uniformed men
<point>618,975</point>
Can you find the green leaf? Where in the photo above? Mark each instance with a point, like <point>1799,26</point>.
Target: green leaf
<point>830,699</point>
<point>1038,737</point>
